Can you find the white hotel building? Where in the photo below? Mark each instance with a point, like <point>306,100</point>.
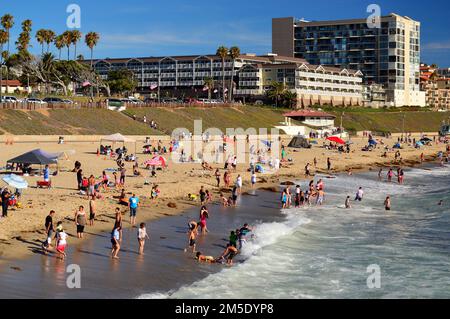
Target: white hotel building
<point>252,76</point>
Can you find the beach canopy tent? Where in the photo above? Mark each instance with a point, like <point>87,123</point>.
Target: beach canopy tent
<point>299,142</point>
<point>156,161</point>
<point>118,138</point>
<point>37,156</point>
<point>336,139</point>
<point>15,181</point>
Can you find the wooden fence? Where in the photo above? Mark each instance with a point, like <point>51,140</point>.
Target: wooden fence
<point>101,105</point>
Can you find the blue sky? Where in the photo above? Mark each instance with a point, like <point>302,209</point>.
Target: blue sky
<point>133,28</point>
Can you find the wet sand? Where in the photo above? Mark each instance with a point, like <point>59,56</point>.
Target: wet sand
<point>164,266</point>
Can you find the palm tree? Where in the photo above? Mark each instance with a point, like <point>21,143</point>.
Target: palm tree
<point>75,37</point>
<point>7,22</point>
<point>67,38</point>
<point>91,40</point>
<point>209,83</point>
<point>26,26</point>
<point>3,40</point>
<point>23,42</point>
<point>222,52</point>
<point>49,37</point>
<point>276,91</point>
<point>234,53</point>
<point>290,98</point>
<point>40,37</point>
<point>59,43</point>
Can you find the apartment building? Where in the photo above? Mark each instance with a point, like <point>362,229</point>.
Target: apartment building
<point>389,55</point>
<point>436,86</point>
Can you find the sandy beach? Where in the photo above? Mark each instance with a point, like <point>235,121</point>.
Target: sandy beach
<point>26,225</point>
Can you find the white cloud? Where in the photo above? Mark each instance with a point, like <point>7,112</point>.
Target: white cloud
<point>444,45</point>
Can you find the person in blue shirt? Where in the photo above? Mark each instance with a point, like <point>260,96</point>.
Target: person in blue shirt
<point>133,203</point>
<point>46,174</point>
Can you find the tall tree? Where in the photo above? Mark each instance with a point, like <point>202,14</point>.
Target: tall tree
<point>3,40</point>
<point>222,52</point>
<point>91,40</point>
<point>234,53</point>
<point>40,38</point>
<point>209,84</point>
<point>75,38</point>
<point>7,22</point>
<point>276,90</point>
<point>23,42</point>
<point>49,37</point>
<point>59,43</point>
<point>67,36</point>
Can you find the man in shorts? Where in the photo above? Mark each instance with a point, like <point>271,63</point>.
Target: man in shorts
<point>49,229</point>
<point>133,203</point>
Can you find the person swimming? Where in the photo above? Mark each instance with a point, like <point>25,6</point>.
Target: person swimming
<point>202,258</point>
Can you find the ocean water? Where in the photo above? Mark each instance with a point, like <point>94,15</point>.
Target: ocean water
<point>325,252</point>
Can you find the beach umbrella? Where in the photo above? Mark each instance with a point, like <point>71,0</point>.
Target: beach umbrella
<point>336,139</point>
<point>15,181</point>
<point>156,161</point>
<point>426,140</point>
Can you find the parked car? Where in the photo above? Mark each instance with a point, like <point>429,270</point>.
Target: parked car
<point>66,101</point>
<point>53,100</point>
<point>11,99</point>
<point>116,105</point>
<point>35,101</point>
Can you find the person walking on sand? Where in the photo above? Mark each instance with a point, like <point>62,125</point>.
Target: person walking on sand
<point>307,171</point>
<point>123,172</point>
<point>217,175</point>
<point>5,201</point>
<point>80,221</point>
<point>49,229</point>
<point>79,178</point>
<point>142,235</point>
<point>115,241</point>
<point>92,210</point>
<point>91,189</point>
<point>328,164</point>
<point>133,203</point>
<point>387,203</point>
